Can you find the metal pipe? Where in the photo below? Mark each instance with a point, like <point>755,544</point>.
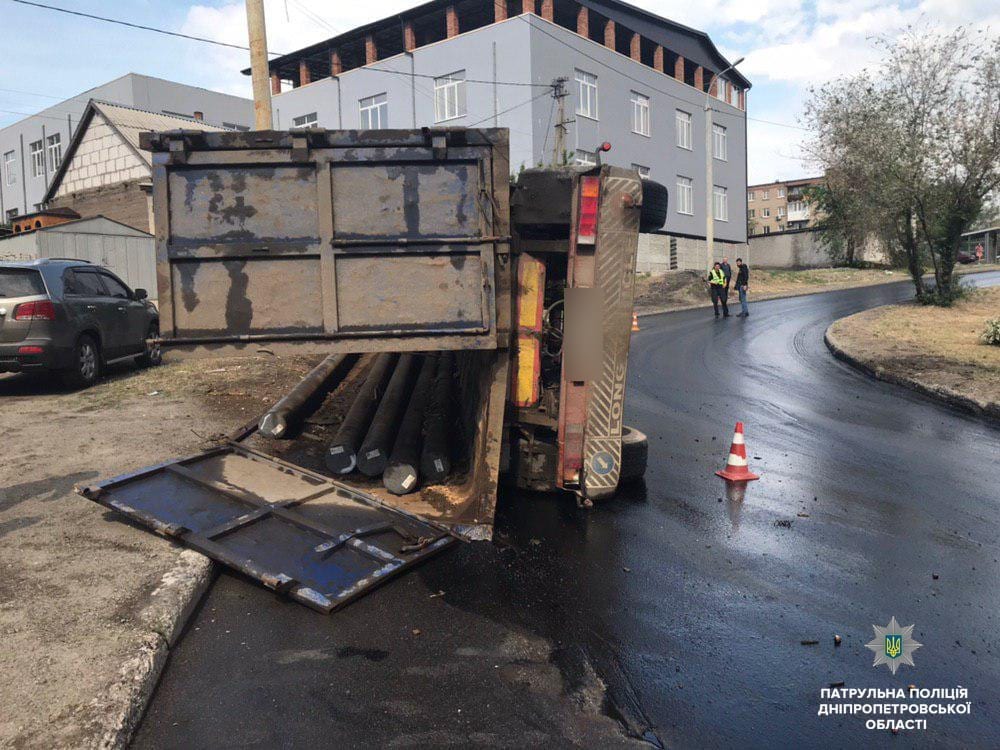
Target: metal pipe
<point>374,452</point>
<point>275,422</point>
<point>402,475</point>
<point>341,456</point>
<point>435,458</point>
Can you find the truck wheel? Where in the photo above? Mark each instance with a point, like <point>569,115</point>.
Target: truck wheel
<point>86,363</point>
<point>654,206</point>
<point>635,455</point>
<point>153,354</point>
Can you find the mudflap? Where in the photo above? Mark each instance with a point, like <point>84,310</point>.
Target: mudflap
<point>304,535</point>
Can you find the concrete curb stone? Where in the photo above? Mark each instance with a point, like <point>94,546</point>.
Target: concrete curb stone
<point>988,409</point>
<point>115,714</point>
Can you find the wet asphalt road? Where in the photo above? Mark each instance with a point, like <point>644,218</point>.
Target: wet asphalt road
<point>689,606</point>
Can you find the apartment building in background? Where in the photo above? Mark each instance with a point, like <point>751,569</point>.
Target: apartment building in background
<point>631,78</point>
<point>780,206</point>
<point>32,150</point>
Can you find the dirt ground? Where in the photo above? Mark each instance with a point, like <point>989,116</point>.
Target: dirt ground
<point>684,289</point>
<point>936,348</point>
<point>76,582</point>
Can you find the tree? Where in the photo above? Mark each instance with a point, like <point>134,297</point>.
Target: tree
<point>913,148</point>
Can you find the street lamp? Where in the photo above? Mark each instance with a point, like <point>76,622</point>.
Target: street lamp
<point>710,186</point>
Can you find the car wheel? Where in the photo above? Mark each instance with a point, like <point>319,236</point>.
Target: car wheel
<point>153,354</point>
<point>86,363</point>
<point>635,455</point>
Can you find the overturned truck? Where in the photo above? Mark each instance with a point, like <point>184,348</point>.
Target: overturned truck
<point>474,331</point>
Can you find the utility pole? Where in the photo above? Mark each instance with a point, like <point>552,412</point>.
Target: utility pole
<point>258,65</point>
<point>709,179</point>
<point>559,93</point>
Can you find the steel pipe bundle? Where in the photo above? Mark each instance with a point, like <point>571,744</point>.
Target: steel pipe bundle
<point>435,457</point>
<point>373,456</point>
<point>402,474</point>
<point>276,422</point>
<point>341,456</point>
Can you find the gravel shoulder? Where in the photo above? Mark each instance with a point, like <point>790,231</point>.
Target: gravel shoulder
<point>934,350</point>
<point>90,604</point>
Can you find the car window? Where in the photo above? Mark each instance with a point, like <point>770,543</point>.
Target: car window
<point>20,282</point>
<point>84,284</point>
<point>115,287</point>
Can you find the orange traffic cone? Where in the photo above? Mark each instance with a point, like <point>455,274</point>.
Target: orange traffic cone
<point>736,466</point>
<point>635,322</point>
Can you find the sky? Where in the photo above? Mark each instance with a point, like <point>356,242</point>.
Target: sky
<point>789,46</point>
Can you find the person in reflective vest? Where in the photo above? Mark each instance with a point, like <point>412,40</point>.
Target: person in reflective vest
<point>717,286</point>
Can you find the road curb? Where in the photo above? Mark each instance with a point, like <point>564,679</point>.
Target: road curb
<point>988,410</point>
<point>115,714</point>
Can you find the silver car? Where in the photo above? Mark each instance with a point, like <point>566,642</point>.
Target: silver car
<point>73,318</point>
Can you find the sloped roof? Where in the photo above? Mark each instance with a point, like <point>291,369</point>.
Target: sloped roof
<point>127,122</point>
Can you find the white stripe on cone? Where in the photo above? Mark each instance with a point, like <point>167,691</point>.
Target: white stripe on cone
<point>738,438</point>
<point>735,460</point>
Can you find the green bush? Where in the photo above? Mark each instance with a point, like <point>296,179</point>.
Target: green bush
<point>991,335</point>
<point>959,291</point>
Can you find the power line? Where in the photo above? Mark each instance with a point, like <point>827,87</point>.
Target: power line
<point>780,124</point>
<point>509,109</point>
<point>140,26</point>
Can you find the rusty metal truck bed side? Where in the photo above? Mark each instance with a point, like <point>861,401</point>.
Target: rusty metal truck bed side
<point>299,533</point>
<point>353,241</point>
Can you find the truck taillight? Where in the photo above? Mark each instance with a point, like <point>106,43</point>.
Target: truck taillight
<point>586,229</point>
<point>42,310</point>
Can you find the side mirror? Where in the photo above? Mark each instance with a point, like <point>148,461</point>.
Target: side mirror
<point>139,294</point>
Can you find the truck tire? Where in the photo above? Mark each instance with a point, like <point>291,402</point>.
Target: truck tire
<point>654,206</point>
<point>635,455</point>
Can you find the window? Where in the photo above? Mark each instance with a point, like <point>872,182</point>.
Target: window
<point>766,195</point>
<point>750,196</point>
<point>305,121</point>
<point>9,168</point>
<point>643,171</point>
<point>751,213</point>
<point>720,145</point>
<point>720,88</point>
<point>53,145</point>
<point>115,288</point>
<point>37,159</point>
<point>586,100</point>
<point>374,112</point>
<point>734,96</point>
<point>12,214</point>
<point>781,192</point>
<point>685,195</point>
<point>640,113</point>
<point>767,230</point>
<point>766,213</point>
<point>586,157</point>
<point>84,284</point>
<point>683,129</point>
<point>20,282</point>
<point>781,212</point>
<point>720,203</point>
<point>449,96</point>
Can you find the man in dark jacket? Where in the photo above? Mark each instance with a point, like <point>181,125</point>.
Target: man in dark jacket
<point>742,281</point>
<point>728,270</point>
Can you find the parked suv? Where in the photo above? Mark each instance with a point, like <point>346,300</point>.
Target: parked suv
<point>72,317</point>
